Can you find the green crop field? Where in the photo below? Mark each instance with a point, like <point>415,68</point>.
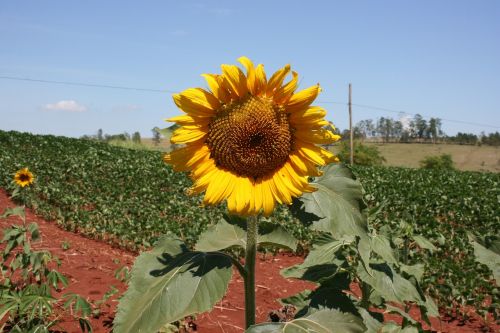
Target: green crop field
<point>130,197</point>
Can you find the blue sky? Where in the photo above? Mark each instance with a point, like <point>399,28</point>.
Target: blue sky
<point>436,58</point>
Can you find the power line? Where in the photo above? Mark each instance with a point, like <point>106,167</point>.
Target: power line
<point>94,85</point>
<point>412,114</point>
<point>86,84</point>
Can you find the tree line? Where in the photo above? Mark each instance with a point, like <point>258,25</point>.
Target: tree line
<point>415,130</point>
<point>125,136</point>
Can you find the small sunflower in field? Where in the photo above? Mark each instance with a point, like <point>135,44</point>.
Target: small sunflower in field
<point>250,140</point>
<point>24,177</point>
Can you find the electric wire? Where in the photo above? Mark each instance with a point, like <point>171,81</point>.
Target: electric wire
<point>95,85</point>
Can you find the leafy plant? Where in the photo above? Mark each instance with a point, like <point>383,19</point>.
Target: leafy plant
<point>443,161</point>
<point>363,154</point>
<point>28,278</point>
<point>171,281</point>
<point>129,198</point>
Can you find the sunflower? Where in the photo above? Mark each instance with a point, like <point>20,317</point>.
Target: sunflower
<point>250,140</point>
<point>24,177</point>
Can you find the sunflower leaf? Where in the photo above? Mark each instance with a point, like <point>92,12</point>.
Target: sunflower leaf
<point>16,211</point>
<point>323,321</point>
<point>225,234</point>
<point>488,257</point>
<point>169,283</point>
<point>336,205</point>
<point>230,231</point>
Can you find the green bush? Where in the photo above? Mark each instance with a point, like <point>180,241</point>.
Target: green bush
<point>443,161</point>
<point>363,154</point>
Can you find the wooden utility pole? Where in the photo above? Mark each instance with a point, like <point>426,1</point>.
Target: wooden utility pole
<point>350,125</point>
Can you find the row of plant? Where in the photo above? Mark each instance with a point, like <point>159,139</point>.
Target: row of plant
<point>459,213</point>
<point>130,198</point>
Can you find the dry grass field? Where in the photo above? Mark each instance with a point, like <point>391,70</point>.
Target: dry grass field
<point>471,158</point>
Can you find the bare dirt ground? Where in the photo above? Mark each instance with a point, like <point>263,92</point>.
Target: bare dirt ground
<point>90,267</point>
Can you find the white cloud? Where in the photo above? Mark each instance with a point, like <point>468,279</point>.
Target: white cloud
<point>67,106</point>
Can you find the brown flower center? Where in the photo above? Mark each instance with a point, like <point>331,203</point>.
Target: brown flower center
<point>251,138</point>
<point>24,177</point>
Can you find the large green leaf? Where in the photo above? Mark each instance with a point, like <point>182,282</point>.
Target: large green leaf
<point>323,321</point>
<point>424,243</point>
<point>221,236</point>
<point>329,295</point>
<point>278,237</point>
<point>372,325</point>
<point>489,258</point>
<point>416,270</point>
<point>390,285</point>
<point>381,246</point>
<point>230,231</point>
<point>325,253</point>
<point>16,211</point>
<point>336,206</point>
<point>169,283</point>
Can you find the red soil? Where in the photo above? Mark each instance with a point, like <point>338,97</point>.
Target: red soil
<point>90,267</point>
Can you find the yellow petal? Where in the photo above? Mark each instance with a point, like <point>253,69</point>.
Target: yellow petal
<point>319,136</point>
<point>279,192</point>
<point>239,201</point>
<point>220,187</point>
<point>187,134</point>
<point>277,79</point>
<point>183,159</point>
<point>285,92</point>
<point>251,82</point>
<point>201,184</point>
<point>285,187</point>
<point>214,82</point>
<point>310,152</point>
<point>303,99</point>
<point>197,102</point>
<point>299,181</point>
<point>311,114</point>
<point>309,126</point>
<point>260,80</point>
<point>236,79</point>
<point>268,200</point>
<point>302,165</point>
<point>257,193</point>
<point>202,168</point>
<point>189,120</point>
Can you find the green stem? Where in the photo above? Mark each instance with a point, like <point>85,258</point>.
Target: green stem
<point>250,254</point>
<point>237,264</point>
<point>26,233</point>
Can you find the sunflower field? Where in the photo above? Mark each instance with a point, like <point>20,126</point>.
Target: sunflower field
<point>130,198</point>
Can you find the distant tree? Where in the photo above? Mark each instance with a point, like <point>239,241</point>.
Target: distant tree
<point>397,129</point>
<point>420,126</point>
<point>492,139</point>
<point>435,129</point>
<point>156,136</point>
<point>385,128</point>
<point>464,138</point>
<point>136,137</point>
<point>405,136</point>
<point>364,129</point>
<point>100,136</point>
